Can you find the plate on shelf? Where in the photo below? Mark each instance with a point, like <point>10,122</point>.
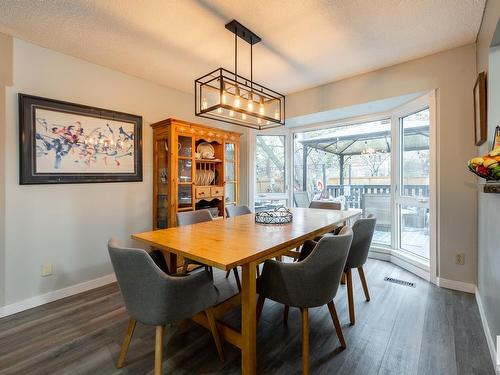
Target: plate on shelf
<point>206,150</point>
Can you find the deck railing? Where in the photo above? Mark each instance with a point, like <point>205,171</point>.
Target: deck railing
<point>354,193</point>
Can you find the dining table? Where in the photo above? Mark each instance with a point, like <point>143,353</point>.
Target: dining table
<point>241,242</point>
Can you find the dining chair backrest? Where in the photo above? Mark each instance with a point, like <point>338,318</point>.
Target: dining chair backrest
<point>232,211</point>
<point>363,230</point>
<point>193,217</point>
<point>153,297</point>
<point>312,282</point>
<point>326,205</point>
<point>141,283</point>
<point>301,199</point>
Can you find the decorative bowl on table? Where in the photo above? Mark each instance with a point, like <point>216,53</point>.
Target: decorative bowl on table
<point>487,166</point>
<point>280,215</point>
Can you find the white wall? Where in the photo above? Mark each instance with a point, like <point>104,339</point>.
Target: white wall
<point>68,225</point>
<point>452,73</point>
<point>5,79</point>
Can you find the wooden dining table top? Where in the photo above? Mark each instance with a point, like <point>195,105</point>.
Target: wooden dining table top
<point>235,241</point>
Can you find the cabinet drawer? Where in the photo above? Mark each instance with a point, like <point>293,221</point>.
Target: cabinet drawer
<point>217,191</point>
<point>202,192</point>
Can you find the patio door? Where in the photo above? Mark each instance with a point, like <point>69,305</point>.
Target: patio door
<point>271,170</point>
<point>412,183</point>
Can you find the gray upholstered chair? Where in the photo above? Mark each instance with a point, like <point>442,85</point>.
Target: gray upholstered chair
<point>313,282</point>
<point>301,199</point>
<point>154,298</point>
<point>232,211</point>
<point>363,230</point>
<point>309,245</point>
<point>189,218</point>
<point>193,217</point>
<point>326,205</point>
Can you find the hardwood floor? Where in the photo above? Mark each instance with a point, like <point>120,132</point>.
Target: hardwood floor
<point>402,330</point>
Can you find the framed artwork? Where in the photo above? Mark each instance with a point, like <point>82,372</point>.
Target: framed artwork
<point>61,142</point>
<point>496,139</point>
<point>480,126</point>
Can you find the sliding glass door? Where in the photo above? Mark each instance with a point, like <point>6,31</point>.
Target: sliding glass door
<point>349,164</point>
<point>381,167</point>
<point>412,191</point>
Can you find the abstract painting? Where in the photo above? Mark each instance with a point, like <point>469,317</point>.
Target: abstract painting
<point>64,142</point>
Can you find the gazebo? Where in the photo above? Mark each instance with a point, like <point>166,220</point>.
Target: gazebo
<point>363,139</point>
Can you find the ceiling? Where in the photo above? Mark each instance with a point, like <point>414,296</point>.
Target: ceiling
<point>305,43</point>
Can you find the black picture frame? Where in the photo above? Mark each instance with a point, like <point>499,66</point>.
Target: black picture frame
<point>480,111</point>
<point>28,174</point>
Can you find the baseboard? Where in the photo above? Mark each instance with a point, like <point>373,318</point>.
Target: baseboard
<point>380,255</point>
<point>487,332</point>
<point>456,285</point>
<point>29,303</point>
<point>403,263</point>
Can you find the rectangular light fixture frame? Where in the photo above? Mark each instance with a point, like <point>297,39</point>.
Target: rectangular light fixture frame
<point>221,83</point>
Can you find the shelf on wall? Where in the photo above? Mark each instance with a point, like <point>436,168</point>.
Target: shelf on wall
<point>491,188</point>
<point>485,187</point>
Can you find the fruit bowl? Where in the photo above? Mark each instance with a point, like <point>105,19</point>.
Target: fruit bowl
<point>487,166</point>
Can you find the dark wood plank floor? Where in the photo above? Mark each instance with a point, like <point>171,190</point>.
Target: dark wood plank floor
<point>403,330</point>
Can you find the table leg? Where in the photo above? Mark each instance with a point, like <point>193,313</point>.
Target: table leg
<point>172,263</point>
<point>248,319</point>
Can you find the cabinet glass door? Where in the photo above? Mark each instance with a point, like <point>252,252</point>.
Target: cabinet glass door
<point>230,174</point>
<point>162,184</point>
<point>185,171</point>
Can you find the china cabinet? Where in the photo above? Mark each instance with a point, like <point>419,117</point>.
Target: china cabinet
<point>195,167</point>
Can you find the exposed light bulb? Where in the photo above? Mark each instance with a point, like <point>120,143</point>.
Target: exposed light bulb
<point>261,107</point>
<point>250,105</point>
<point>243,116</point>
<point>267,122</point>
<point>231,113</point>
<point>219,110</point>
<point>224,97</point>
<point>259,121</point>
<point>237,101</point>
<point>276,115</point>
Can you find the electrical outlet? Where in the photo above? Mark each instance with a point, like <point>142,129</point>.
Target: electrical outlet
<point>460,259</point>
<point>47,269</point>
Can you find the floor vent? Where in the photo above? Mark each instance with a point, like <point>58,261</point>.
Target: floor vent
<point>400,282</point>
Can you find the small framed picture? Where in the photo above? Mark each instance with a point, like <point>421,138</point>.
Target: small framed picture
<point>61,142</point>
<point>496,139</point>
<point>480,125</point>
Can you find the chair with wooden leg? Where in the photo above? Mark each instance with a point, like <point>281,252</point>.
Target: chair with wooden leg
<point>312,282</point>
<point>363,230</point>
<point>154,298</point>
<point>306,249</point>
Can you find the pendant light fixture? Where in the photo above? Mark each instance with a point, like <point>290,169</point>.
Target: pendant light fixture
<point>226,96</point>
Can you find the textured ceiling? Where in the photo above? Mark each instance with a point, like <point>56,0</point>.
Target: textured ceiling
<point>305,43</point>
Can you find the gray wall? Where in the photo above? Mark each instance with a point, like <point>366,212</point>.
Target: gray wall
<point>68,225</point>
<point>488,276</point>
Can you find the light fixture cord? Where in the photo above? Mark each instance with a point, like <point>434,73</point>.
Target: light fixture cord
<point>251,68</point>
<point>236,57</point>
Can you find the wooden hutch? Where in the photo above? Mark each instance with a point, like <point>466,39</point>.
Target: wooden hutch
<point>183,180</point>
